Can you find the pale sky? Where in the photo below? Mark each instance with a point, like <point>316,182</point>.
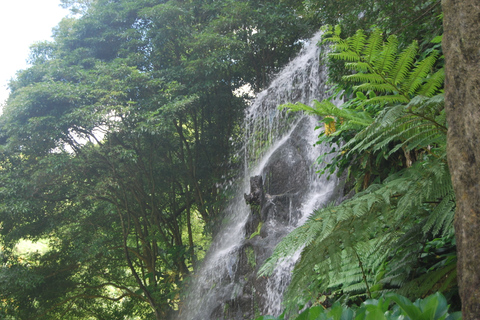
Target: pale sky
<point>22,23</point>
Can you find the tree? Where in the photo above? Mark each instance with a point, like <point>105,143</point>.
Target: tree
<point>462,101</point>
<point>109,208</point>
<point>113,145</point>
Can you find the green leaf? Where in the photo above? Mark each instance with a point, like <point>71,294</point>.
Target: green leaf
<point>437,304</point>
<point>374,313</point>
<point>411,310</point>
<point>454,316</point>
<point>314,312</point>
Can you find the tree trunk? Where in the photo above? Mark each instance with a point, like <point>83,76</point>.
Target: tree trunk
<point>461,46</point>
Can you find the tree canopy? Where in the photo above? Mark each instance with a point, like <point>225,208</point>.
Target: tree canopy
<point>115,142</point>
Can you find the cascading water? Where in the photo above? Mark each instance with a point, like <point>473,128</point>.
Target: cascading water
<point>279,148</point>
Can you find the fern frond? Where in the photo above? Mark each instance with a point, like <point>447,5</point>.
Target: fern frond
<point>433,84</point>
<point>358,66</point>
<point>430,110</point>
<point>411,127</point>
<point>345,55</point>
<point>396,203</point>
<point>385,59</point>
<point>442,216</point>
<point>424,284</point>
<point>299,107</point>
<point>373,46</point>
<point>417,75</point>
<point>364,77</point>
<point>422,136</point>
<point>326,108</point>
<point>332,35</point>
<point>404,64</point>
<point>337,30</point>
<point>357,42</point>
<point>424,105</point>
<point>381,88</point>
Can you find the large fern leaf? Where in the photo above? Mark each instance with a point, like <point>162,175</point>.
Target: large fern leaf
<point>384,61</point>
<point>404,63</point>
<point>373,46</point>
<point>377,63</point>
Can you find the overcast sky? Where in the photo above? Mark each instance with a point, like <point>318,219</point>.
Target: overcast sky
<point>22,23</point>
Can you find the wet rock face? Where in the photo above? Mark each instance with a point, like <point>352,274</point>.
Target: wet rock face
<point>256,196</point>
<point>275,208</point>
<point>286,177</point>
<point>288,167</point>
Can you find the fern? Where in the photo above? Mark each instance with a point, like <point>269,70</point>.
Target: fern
<point>375,242</point>
<point>417,125</point>
<point>379,63</point>
<point>404,63</point>
<point>373,46</point>
<point>430,87</point>
<point>372,225</point>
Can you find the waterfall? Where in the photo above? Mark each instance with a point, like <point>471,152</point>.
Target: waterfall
<point>279,147</point>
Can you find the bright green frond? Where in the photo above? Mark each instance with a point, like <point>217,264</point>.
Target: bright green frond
<point>390,99</point>
<point>374,45</point>
<point>337,30</point>
<point>433,84</point>
<point>403,64</point>
<point>357,42</point>
<point>364,77</point>
<point>358,66</point>
<point>384,61</point>
<point>300,107</point>
<point>346,55</point>
<point>418,74</point>
<point>340,45</point>
<point>380,88</point>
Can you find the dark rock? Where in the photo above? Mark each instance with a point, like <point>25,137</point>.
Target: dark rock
<point>275,203</point>
<point>256,191</point>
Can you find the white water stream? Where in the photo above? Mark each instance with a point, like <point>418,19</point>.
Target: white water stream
<point>275,141</point>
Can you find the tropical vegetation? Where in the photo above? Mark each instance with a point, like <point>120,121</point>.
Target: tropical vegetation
<point>117,140</point>
<point>114,146</point>
<point>389,139</point>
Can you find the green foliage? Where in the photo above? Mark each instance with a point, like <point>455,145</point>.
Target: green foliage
<point>380,67</point>
<point>394,103</point>
<point>415,19</point>
<point>433,307</point>
<point>257,231</point>
<point>372,241</point>
<point>391,139</point>
<point>115,140</point>
<point>114,145</point>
